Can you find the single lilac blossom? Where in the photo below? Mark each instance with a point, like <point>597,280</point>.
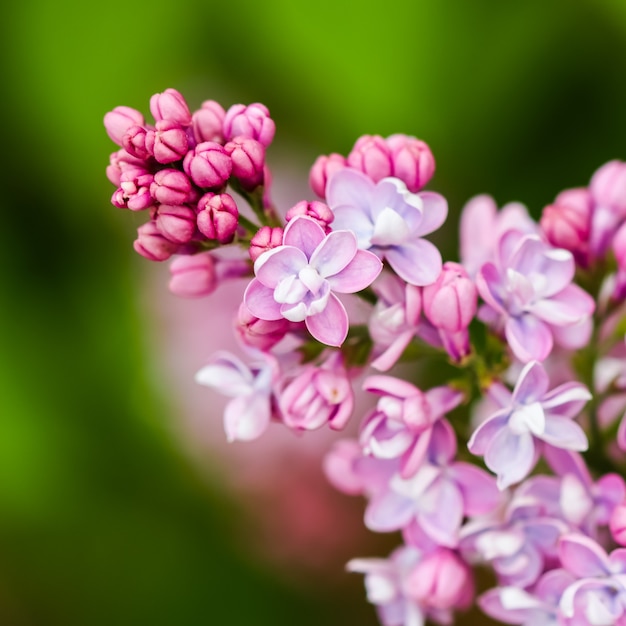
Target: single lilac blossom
<point>298,279</point>
<point>508,438</point>
<point>390,221</point>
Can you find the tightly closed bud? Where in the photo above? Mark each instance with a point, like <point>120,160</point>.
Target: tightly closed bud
<point>208,122</point>
<point>134,190</point>
<point>168,142</point>
<point>265,239</point>
<point>121,161</point>
<point>441,581</point>
<point>450,302</point>
<point>119,120</point>
<point>193,276</point>
<point>252,121</point>
<point>176,222</point>
<point>257,333</point>
<point>413,162</point>
<point>323,168</point>
<point>372,156</point>
<point>248,159</point>
<point>617,524</point>
<point>608,187</point>
<point>218,217</point>
<point>171,187</point>
<point>317,211</point>
<point>170,105</point>
<point>150,243</point>
<point>134,142</point>
<point>208,165</point>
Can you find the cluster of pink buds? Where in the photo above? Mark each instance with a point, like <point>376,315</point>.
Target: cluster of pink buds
<point>514,457</point>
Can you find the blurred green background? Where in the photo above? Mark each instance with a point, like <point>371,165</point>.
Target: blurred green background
<point>103,520</point>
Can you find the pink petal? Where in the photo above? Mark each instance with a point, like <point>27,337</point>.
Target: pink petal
<point>434,212</point>
<point>275,265</point>
<point>334,253</point>
<point>565,308</point>
<point>389,512</point>
<point>583,557</point>
<point>562,432</point>
<point>360,273</point>
<point>480,494</point>
<point>246,417</point>
<point>529,337</point>
<point>260,301</point>
<point>483,435</point>
<point>389,385</point>
<point>444,513</point>
<point>331,325</point>
<point>303,233</point>
<point>349,187</point>
<point>417,262</point>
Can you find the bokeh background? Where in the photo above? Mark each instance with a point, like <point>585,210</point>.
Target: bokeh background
<point>108,515</point>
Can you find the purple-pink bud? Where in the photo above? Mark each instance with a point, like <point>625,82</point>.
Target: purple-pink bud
<point>619,246</point>
<point>617,524</point>
<point>193,276</point>
<point>171,186</point>
<point>168,142</point>
<point>317,211</point>
<point>119,162</point>
<point>266,238</point>
<point>248,158</point>
<point>208,121</point>
<point>217,217</point>
<point>450,302</point>
<point>372,156</point>
<point>413,161</point>
<point>119,120</point>
<point>134,190</point>
<point>151,244</point>
<point>208,165</point>
<point>567,223</point>
<point>608,187</point>
<point>134,142</point>
<point>252,121</point>
<point>170,105</point>
<point>177,222</point>
<point>323,168</point>
<point>441,581</point>
<point>258,333</point>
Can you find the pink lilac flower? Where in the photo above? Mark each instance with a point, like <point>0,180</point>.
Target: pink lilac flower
<point>317,211</point>
<point>508,438</point>
<point>207,122</point>
<point>323,168</point>
<point>529,288</point>
<point>170,105</point>
<point>176,222</point>
<point>252,121</point>
<point>193,276</point>
<point>248,161</point>
<point>264,240</point>
<point>413,161</point>
<point>598,596</point>
<point>298,279</point>
<point>217,216</point>
<point>248,414</point>
<point>401,424</point>
<point>390,221</point>
<point>119,120</point>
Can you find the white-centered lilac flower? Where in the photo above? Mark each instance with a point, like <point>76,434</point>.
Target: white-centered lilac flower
<point>507,439</point>
<point>297,280</point>
<point>390,221</point>
<point>530,289</point>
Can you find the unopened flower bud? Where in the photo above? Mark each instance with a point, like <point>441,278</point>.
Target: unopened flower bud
<point>218,217</point>
<point>134,142</point>
<point>450,302</point>
<point>617,524</point>
<point>119,120</point>
<point>170,105</point>
<point>567,223</point>
<point>317,211</point>
<point>168,142</point>
<point>208,165</point>
<point>608,187</point>
<point>208,121</point>
<point>257,333</point>
<point>176,222</point>
<point>323,168</point>
<point>193,276</point>
<point>248,158</point>
<point>413,161</point>
<point>252,121</point>
<point>151,243</point>
<point>265,239</point>
<point>119,162</point>
<point>171,186</point>
<point>372,156</point>
<point>134,190</point>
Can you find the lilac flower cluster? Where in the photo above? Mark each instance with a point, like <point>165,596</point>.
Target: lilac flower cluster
<point>515,458</point>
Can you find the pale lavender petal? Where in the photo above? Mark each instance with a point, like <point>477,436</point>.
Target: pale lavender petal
<point>434,212</point>
<point>476,231</point>
<point>275,265</point>
<point>618,561</point>
<point>417,262</point>
<point>414,457</point>
<point>489,285</point>
<point>260,301</point>
<point>562,432</point>
<point>443,444</point>
<point>510,456</point>
<point>583,557</point>
<point>349,187</point>
<point>389,385</point>
<point>303,233</point>
<point>480,494</point>
<point>385,361</point>
<point>510,605</point>
<point>566,307</point>
<point>360,272</point>
<point>567,462</point>
<point>226,374</point>
<point>355,220</point>
<point>483,435</point>
<point>566,400</point>
<point>247,417</point>
<point>529,338</point>
<point>392,194</point>
<point>532,384</point>
<point>334,253</point>
<point>441,512</point>
<point>443,399</point>
<point>509,245</point>
<point>331,325</point>
<point>389,512</point>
